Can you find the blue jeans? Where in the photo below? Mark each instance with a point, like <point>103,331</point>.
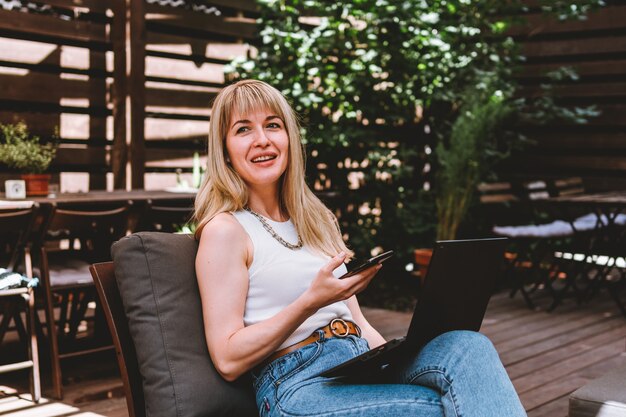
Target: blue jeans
<point>457,374</point>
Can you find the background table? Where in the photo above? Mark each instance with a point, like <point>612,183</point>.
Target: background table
<point>608,238</point>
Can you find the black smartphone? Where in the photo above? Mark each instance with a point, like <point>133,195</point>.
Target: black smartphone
<point>378,259</point>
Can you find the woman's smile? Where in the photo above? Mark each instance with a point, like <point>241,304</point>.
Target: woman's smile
<point>264,158</point>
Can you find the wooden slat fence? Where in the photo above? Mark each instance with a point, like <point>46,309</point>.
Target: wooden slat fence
<point>57,72</point>
<point>596,49</point>
<point>66,66</point>
<point>185,52</point>
<point>63,65</point>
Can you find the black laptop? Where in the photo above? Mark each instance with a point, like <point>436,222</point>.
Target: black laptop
<point>461,277</point>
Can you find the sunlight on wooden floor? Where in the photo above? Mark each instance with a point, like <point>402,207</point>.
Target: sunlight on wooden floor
<point>21,406</point>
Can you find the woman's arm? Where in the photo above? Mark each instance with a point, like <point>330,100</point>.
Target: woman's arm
<point>222,269</point>
<point>224,254</point>
<point>368,332</point>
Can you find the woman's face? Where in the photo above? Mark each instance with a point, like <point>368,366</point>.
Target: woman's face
<point>258,147</point>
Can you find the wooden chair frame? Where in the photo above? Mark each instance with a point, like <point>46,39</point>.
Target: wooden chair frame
<point>78,221</point>
<point>111,301</point>
<point>24,221</point>
<point>28,299</point>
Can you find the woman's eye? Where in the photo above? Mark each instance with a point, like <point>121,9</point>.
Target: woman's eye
<point>243,129</point>
<point>273,126</point>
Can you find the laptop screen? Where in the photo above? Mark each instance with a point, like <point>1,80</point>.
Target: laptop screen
<point>461,277</point>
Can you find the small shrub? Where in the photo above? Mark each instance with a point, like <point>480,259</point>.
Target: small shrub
<point>22,151</point>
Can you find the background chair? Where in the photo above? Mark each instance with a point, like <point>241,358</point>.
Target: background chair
<point>73,239</point>
<point>505,203</point>
<point>165,216</point>
<point>534,238</point>
<point>553,233</point>
<point>15,228</point>
<point>582,237</point>
<point>159,335</point>
<point>593,256</point>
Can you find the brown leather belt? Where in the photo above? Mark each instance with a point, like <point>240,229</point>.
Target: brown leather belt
<point>336,328</point>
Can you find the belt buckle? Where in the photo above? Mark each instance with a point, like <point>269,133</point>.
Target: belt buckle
<point>335,332</point>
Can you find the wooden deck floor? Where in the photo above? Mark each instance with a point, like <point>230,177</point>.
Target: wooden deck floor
<point>547,355</point>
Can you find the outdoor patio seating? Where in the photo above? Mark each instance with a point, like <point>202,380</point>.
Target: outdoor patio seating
<point>15,226</point>
<point>529,241</point>
<point>75,238</point>
<point>151,300</point>
<point>552,232</point>
<point>559,252</point>
<point>599,257</point>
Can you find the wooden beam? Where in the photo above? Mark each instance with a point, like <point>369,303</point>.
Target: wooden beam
<point>137,92</point>
<point>169,157</point>
<point>92,5</point>
<point>53,27</point>
<point>606,18</point>
<point>119,157</point>
<point>243,5</point>
<point>613,67</point>
<point>200,24</point>
<point>572,47</point>
<point>88,156</point>
<point>612,143</point>
<point>575,162</point>
<point>180,97</point>
<point>97,126</point>
<point>596,90</point>
<point>611,118</point>
<point>19,106</point>
<point>29,87</point>
<point>185,46</point>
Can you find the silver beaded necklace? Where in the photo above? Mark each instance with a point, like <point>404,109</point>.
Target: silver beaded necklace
<point>272,232</point>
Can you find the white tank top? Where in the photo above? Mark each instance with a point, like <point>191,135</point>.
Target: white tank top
<point>278,276</point>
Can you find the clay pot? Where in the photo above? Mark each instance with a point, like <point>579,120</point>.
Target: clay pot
<point>37,184</point>
<point>422,260</point>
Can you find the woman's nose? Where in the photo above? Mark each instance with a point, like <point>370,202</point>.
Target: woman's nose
<point>261,138</point>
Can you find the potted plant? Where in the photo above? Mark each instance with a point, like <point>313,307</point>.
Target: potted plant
<point>476,142</point>
<point>25,153</point>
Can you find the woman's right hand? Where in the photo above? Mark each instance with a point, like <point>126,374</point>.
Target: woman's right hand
<point>327,289</point>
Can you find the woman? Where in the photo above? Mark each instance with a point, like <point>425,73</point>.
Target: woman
<point>269,256</point>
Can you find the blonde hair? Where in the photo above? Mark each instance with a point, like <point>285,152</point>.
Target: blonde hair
<point>223,190</point>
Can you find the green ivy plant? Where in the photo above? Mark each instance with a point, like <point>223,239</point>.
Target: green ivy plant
<point>379,84</point>
<point>22,151</point>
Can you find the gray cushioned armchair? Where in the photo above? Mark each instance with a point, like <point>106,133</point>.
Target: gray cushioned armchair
<point>162,321</point>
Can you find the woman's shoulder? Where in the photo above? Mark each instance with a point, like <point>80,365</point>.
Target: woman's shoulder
<point>223,226</point>
<point>224,238</point>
